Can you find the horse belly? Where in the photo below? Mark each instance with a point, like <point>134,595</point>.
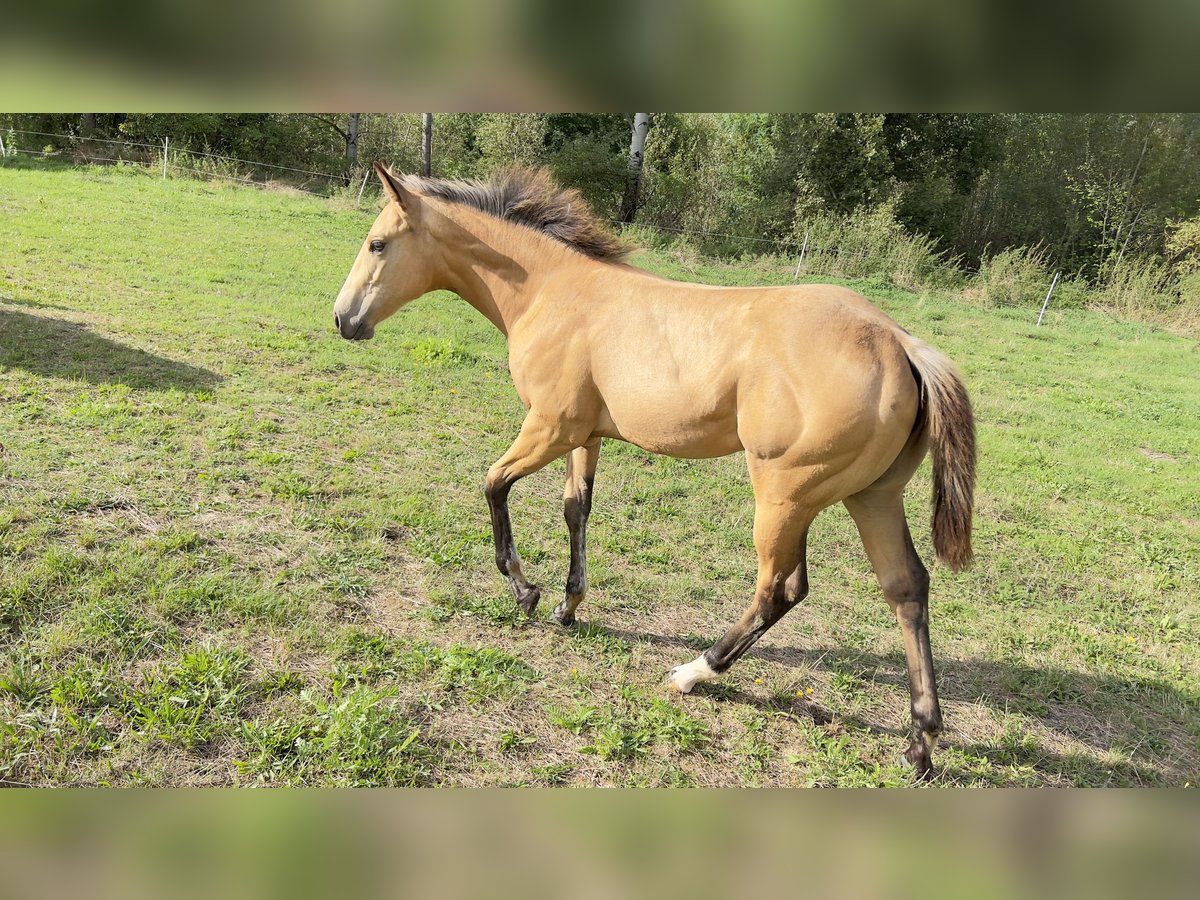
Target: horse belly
<point>668,383</point>
<point>666,424</point>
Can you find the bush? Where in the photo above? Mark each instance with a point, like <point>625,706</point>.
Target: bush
<point>871,243</point>
<point>181,162</point>
<point>1138,286</point>
<point>1183,246</point>
<point>1017,276</point>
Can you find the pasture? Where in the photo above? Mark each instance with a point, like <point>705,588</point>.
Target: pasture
<point>237,549</point>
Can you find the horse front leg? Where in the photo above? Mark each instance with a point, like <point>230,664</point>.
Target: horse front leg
<point>539,443</point>
<point>577,504</point>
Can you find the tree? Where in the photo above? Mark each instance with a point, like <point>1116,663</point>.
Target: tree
<point>637,156</point>
<point>426,144</point>
<point>349,133</point>
<point>352,140</point>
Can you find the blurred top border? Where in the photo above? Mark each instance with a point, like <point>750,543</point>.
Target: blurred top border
<point>524,55</point>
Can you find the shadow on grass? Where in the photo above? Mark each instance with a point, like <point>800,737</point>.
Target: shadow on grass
<point>59,349</point>
<point>1154,722</point>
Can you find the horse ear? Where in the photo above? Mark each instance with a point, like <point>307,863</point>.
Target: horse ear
<point>393,187</point>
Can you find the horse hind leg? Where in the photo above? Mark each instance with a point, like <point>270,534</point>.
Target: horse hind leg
<point>879,515</point>
<point>780,538</point>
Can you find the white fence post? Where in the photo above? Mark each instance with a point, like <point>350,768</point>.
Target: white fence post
<point>1047,300</point>
<point>166,149</point>
<point>366,175</point>
<point>800,262</point>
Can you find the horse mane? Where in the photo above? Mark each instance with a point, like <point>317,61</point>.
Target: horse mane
<point>532,198</point>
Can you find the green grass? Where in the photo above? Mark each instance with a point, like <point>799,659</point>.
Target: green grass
<point>236,549</point>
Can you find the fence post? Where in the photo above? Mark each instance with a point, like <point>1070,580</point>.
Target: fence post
<point>366,175</point>
<point>1047,300</point>
<point>800,262</point>
<point>166,149</point>
<point>3,151</point>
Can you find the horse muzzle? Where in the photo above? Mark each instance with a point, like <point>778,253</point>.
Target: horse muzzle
<point>354,328</point>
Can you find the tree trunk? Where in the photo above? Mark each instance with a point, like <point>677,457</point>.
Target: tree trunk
<point>426,144</point>
<point>87,124</point>
<point>633,180</point>
<point>352,140</point>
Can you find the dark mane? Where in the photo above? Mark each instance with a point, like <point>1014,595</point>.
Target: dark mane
<point>532,198</point>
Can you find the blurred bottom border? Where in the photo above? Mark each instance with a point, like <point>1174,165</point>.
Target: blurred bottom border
<point>135,844</point>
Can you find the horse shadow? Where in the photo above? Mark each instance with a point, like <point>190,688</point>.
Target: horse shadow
<point>1101,711</point>
<point>41,345</point>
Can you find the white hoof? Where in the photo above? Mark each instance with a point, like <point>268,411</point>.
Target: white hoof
<point>683,678</point>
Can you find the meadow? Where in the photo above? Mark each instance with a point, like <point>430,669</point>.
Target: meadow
<point>236,549</point>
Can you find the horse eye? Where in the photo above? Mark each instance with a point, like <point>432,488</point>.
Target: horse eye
<point>376,246</point>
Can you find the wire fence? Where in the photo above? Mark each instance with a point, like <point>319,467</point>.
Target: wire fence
<point>159,163</point>
<point>802,250</point>
<point>159,148</point>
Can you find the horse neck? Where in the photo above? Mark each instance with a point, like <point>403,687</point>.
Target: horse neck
<point>496,266</point>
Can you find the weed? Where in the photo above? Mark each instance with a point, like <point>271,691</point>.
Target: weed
<point>358,737</point>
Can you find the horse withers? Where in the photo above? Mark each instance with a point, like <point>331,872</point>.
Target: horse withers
<point>830,400</point>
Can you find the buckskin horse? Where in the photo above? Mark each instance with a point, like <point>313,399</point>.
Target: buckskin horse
<point>830,400</point>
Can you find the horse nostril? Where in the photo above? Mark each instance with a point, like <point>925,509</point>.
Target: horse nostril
<point>337,321</point>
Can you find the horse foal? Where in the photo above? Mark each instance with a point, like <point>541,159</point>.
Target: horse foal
<point>828,398</point>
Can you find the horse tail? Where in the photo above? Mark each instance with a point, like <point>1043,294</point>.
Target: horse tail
<point>946,411</point>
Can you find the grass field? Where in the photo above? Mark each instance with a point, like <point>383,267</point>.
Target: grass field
<point>236,549</point>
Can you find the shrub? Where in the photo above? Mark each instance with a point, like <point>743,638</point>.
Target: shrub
<point>1137,286</point>
<point>181,162</point>
<point>1017,276</point>
<point>871,243</point>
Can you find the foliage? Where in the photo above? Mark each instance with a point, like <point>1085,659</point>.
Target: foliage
<point>872,242</point>
<point>1183,247</point>
<point>1090,190</point>
<point>1017,276</point>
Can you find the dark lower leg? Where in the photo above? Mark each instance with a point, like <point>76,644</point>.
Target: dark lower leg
<point>766,610</point>
<point>768,607</point>
<point>575,511</point>
<point>742,636</point>
<point>782,583</point>
<point>781,523</point>
<point>913,616</point>
<point>577,505</point>
<point>507,559</point>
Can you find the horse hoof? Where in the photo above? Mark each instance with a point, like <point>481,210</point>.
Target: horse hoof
<point>564,617</point>
<point>916,757</point>
<point>679,683</point>
<point>528,600</point>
